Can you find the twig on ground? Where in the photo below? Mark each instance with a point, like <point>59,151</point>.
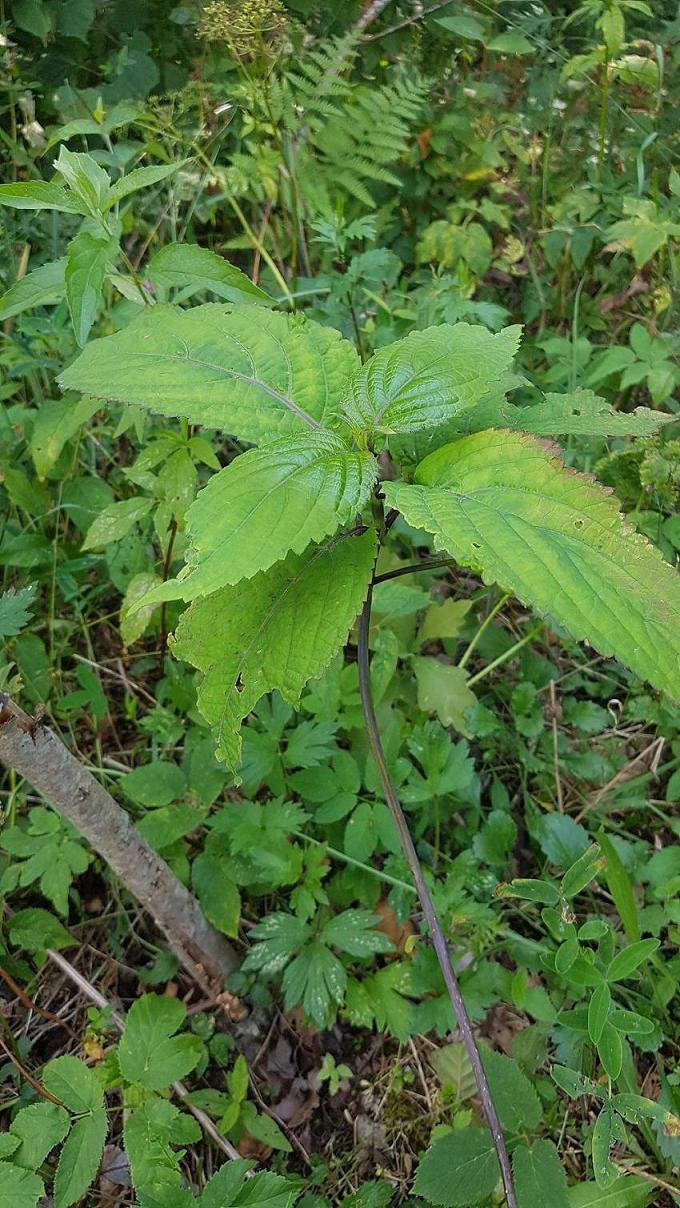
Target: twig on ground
<point>38,755</point>
<point>33,1006</point>
<point>27,1075</point>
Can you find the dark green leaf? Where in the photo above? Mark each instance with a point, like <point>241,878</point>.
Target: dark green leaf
<point>459,1169</point>
<point>539,1176</point>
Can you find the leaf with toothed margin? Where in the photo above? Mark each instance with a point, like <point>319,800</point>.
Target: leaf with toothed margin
<point>578,413</point>
<point>268,502</point>
<point>251,372</point>
<point>428,377</point>
<point>504,504</point>
<point>278,630</point>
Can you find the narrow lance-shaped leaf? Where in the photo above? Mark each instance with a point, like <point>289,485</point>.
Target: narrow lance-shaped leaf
<point>43,287</point>
<point>279,631</point>
<point>503,503</point>
<point>40,195</point>
<point>266,503</point>
<point>86,179</point>
<point>86,267</point>
<point>187,264</point>
<point>428,377</point>
<point>250,372</point>
<point>139,178</point>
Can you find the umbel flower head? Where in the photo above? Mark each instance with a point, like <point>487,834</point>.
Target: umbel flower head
<point>243,24</point>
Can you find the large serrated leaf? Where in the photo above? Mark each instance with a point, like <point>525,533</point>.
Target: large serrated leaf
<point>251,372</point>
<point>428,377</point>
<point>278,631</point>
<point>266,503</point>
<point>504,504</point>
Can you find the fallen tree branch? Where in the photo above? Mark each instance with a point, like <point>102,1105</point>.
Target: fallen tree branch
<point>38,755</point>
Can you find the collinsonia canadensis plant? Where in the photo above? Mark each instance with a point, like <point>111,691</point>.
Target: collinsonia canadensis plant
<point>284,539</point>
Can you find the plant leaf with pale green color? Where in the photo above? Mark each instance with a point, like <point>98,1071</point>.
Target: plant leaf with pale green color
<point>278,631</point>
<point>149,1051</point>
<point>442,689</point>
<point>114,521</point>
<point>268,502</point>
<point>43,287</point>
<point>428,377</point>
<point>503,504</point>
<point>86,267</point>
<point>539,1176</point>
<point>578,413</point>
<point>87,180</point>
<point>40,195</point>
<point>251,372</point>
<point>139,178</point>
<point>53,425</point>
<point>79,1158</point>
<point>629,1191</point>
<point>187,264</point>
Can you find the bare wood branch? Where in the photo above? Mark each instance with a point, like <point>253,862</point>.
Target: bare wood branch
<point>38,755</point>
<point>370,14</point>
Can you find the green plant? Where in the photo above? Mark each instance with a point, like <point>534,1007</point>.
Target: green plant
<point>496,500</point>
<point>494,167</point>
<point>147,1060</point>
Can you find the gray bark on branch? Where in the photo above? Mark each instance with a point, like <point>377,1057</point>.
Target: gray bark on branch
<point>37,754</point>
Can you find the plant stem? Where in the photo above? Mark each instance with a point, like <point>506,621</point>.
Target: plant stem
<point>437,935</point>
<point>507,654</point>
<point>604,111</point>
<point>483,627</point>
<point>413,569</point>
